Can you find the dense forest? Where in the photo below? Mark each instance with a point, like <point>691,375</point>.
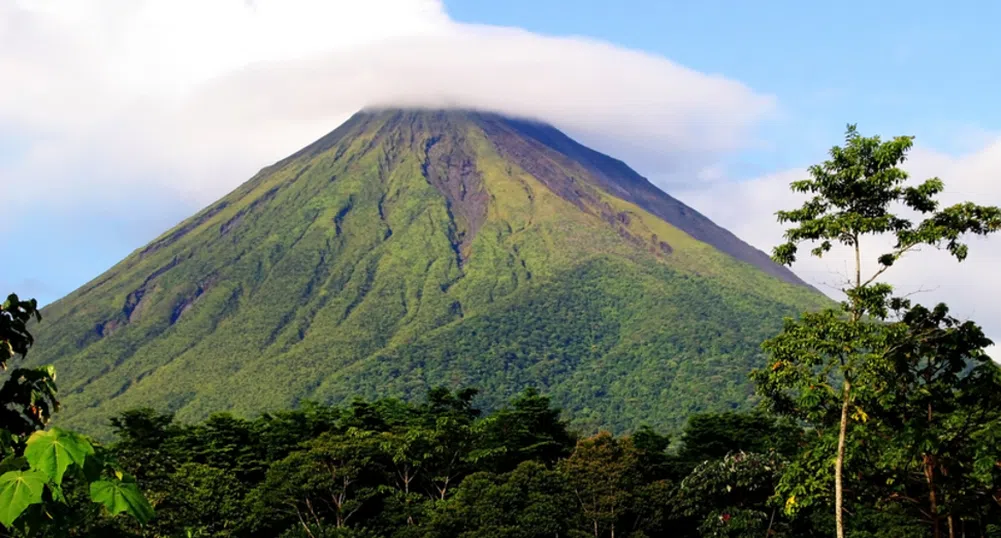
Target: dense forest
<point>439,469</point>
<point>877,418</point>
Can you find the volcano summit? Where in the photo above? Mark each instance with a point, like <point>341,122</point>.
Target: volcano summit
<point>414,248</point>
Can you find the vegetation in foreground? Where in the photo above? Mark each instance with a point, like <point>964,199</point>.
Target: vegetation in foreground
<point>885,412</point>
<point>436,469</point>
<point>48,479</point>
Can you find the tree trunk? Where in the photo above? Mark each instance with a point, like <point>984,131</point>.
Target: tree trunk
<point>443,490</point>
<point>302,521</point>
<point>846,388</point>
<point>406,492</point>
<point>839,464</point>
<point>952,527</point>
<point>929,462</point>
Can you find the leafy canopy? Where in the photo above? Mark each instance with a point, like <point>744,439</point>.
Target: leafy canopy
<point>34,462</point>
<point>826,367</point>
<point>858,192</point>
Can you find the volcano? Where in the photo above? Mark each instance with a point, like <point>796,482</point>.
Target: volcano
<point>412,248</point>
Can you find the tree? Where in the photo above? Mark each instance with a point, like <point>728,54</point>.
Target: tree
<point>430,449</point>
<point>729,496</point>
<point>805,380</point>
<point>330,479</point>
<point>34,463</point>
<point>529,502</point>
<point>938,402</point>
<point>856,194</point>
<point>453,445</point>
<point>527,429</point>
<point>406,450</point>
<point>603,472</point>
<point>714,435</point>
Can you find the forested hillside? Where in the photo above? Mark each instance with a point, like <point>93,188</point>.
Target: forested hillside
<point>414,248</point>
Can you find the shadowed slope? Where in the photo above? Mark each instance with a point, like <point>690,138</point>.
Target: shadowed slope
<point>616,178</point>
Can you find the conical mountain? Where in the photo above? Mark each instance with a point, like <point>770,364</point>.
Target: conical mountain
<point>414,248</point>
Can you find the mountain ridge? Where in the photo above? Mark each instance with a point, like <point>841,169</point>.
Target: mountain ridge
<point>673,211</point>
<point>409,248</point>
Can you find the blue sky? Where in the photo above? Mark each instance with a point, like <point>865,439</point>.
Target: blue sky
<point>100,154</point>
<point>919,67</point>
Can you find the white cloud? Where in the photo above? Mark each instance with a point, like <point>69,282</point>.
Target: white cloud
<point>123,95</point>
<point>970,288</point>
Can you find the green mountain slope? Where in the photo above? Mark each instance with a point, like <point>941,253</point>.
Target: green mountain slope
<point>411,248</point>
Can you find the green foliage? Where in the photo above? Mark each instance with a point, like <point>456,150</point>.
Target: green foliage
<point>48,456</point>
<point>326,479</point>
<point>51,452</point>
<point>527,429</point>
<point>14,336</point>
<point>439,468</point>
<point>384,466</point>
<point>834,369</point>
<point>939,397</point>
<point>855,194</point>
<point>714,435</point>
<point>28,394</point>
<point>729,495</point>
<point>34,462</point>
<point>121,496</point>
<point>531,501</point>
<point>18,491</point>
<point>603,472</point>
<point>859,192</point>
<point>432,469</point>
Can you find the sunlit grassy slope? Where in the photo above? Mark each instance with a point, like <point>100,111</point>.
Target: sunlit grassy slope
<point>415,248</point>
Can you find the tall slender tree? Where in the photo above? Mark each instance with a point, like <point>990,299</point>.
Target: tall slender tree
<point>817,363</point>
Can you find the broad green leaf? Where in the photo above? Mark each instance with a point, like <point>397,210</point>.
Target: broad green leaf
<point>51,452</point>
<point>120,497</point>
<point>18,491</point>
